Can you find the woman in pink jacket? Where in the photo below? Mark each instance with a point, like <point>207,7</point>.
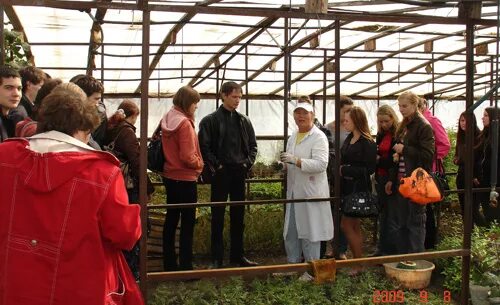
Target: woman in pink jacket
<point>183,165</point>
<point>64,213</point>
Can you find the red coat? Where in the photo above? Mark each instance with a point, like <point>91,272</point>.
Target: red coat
<point>64,218</point>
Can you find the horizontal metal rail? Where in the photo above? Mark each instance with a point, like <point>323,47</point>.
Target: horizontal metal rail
<point>302,267</point>
<point>277,201</point>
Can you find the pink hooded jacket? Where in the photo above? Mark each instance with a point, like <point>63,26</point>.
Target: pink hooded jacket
<point>183,159</point>
<point>440,135</point>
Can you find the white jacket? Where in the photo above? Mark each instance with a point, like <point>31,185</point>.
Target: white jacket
<point>314,219</point>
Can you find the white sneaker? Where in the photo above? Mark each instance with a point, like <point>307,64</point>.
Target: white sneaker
<point>306,277</point>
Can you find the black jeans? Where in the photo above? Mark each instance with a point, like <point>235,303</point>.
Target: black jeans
<point>179,192</point>
<point>406,225</point>
<point>228,181</point>
<point>385,245</point>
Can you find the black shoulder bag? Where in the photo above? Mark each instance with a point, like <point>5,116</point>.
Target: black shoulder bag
<point>360,204</point>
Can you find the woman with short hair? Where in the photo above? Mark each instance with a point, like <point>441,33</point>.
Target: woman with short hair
<point>64,215</point>
<point>306,159</point>
<point>183,166</point>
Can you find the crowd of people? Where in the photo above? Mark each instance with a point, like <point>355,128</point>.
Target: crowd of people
<point>68,204</point>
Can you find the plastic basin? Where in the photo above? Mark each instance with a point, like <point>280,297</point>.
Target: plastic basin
<point>418,278</point>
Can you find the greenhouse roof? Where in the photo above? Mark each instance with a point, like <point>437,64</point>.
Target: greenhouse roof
<point>386,46</point>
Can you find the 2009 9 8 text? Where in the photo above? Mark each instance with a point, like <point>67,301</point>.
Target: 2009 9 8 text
<point>398,296</point>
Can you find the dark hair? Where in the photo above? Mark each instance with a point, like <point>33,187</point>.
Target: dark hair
<point>228,87</point>
<point>485,136</point>
<point>461,133</point>
<point>45,90</point>
<point>89,84</point>
<point>345,100</point>
<point>31,74</point>
<point>8,72</point>
<point>185,97</point>
<point>66,110</point>
<point>358,117</point>
<point>126,109</point>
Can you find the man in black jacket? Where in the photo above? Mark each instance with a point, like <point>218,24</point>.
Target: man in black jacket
<point>228,146</point>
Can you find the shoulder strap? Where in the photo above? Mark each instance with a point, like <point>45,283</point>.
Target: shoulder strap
<point>111,145</point>
<point>157,131</point>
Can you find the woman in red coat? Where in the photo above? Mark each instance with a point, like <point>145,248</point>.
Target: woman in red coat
<point>64,213</point>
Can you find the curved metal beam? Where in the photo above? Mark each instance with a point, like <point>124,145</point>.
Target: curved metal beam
<point>457,86</point>
<point>260,27</point>
<point>292,48</point>
<point>96,26</point>
<point>352,47</point>
<point>430,79</point>
<point>171,37</point>
<point>373,63</point>
<point>418,67</point>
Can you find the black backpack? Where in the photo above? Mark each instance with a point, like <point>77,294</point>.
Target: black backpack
<point>156,158</point>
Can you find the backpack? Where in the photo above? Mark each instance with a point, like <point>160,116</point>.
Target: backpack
<point>156,158</point>
<point>124,165</point>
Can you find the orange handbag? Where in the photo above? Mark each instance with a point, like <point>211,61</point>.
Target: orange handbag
<point>420,187</point>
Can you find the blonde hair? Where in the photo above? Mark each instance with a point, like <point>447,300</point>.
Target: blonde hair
<point>358,117</point>
<point>388,111</point>
<point>414,100</point>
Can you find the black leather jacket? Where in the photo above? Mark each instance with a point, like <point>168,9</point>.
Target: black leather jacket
<point>211,137</point>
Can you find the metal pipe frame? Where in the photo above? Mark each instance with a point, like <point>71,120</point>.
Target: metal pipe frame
<point>143,6</point>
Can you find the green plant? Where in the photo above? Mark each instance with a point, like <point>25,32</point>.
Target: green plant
<point>485,256</point>
<point>16,49</point>
<point>265,190</point>
<point>361,290</point>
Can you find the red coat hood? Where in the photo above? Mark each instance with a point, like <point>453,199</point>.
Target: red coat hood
<point>41,171</point>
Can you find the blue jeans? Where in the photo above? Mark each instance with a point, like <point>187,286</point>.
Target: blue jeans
<point>296,247</point>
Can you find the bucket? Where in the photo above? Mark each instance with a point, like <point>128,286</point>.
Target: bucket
<point>417,278</point>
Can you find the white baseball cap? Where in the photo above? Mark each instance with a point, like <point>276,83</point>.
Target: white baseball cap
<point>306,106</point>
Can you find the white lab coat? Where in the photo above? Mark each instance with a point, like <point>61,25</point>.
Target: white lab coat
<point>314,219</point>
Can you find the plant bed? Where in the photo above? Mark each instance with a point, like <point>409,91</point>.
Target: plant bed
<point>368,288</point>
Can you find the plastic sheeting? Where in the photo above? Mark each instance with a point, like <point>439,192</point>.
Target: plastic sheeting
<point>267,117</point>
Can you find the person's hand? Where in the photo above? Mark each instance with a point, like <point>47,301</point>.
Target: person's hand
<point>388,188</point>
<point>288,158</point>
<point>398,148</point>
<point>455,160</point>
<point>475,181</point>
